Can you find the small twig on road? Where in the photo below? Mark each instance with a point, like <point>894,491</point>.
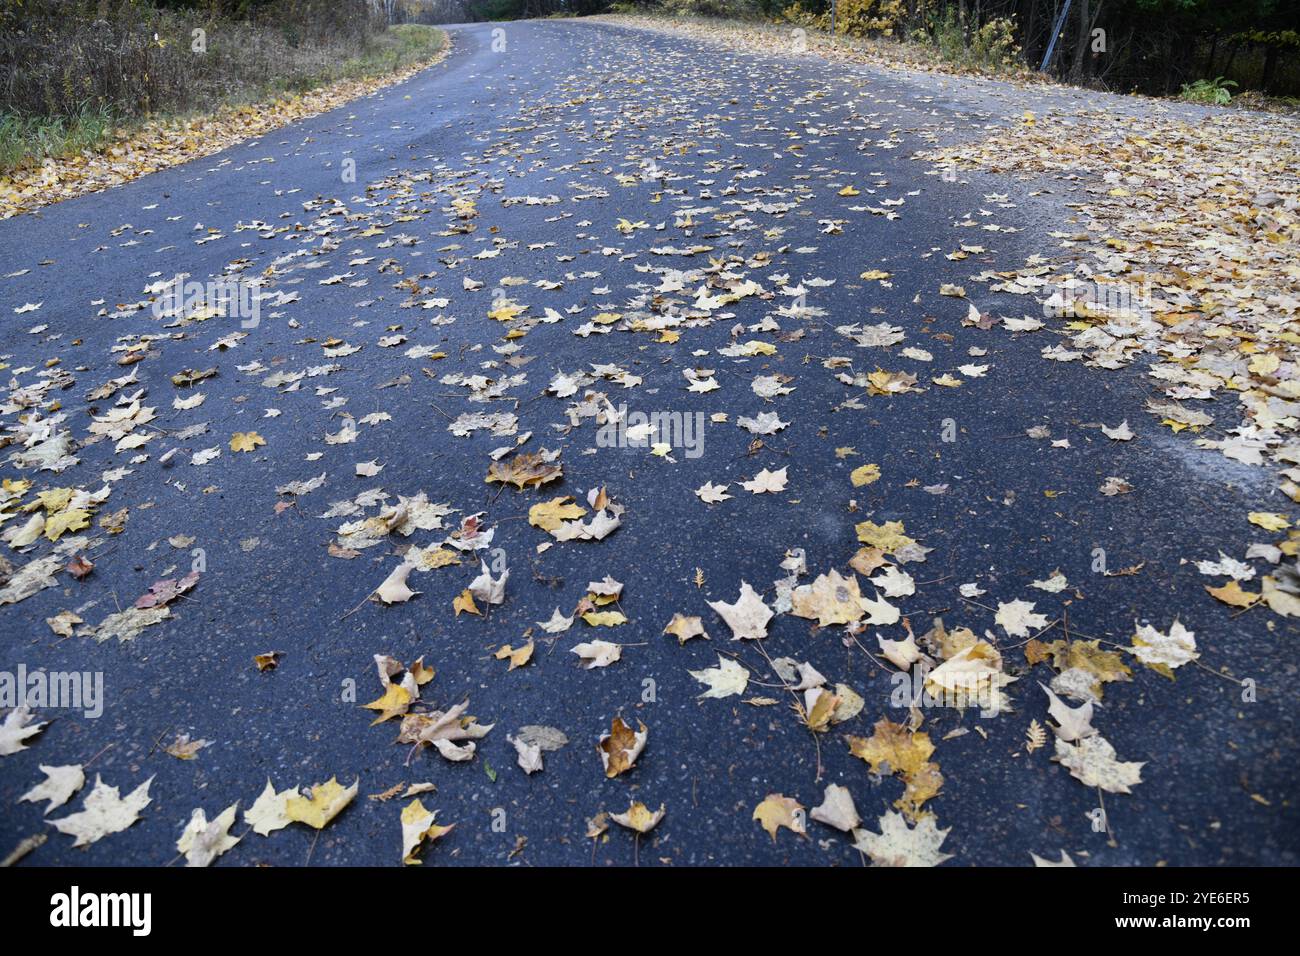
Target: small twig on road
<point>817,744</point>
<point>935,581</point>
<point>358,607</point>
<point>862,647</point>
<point>1249,607</point>
<point>97,756</point>
<point>158,741</point>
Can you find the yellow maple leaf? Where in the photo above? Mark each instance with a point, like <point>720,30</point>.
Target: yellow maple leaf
<point>881,382</point>
<point>73,520</point>
<point>421,672</point>
<point>437,558</point>
<point>418,826</point>
<point>604,618</point>
<point>893,745</point>
<point>518,656</point>
<point>52,500</point>
<point>1104,666</point>
<point>1231,593</point>
<point>464,601</point>
<point>684,628</point>
<point>506,311</point>
<point>1269,520</point>
<point>778,810</point>
<point>394,702</point>
<point>888,537</point>
<point>245,441</point>
<point>829,599</point>
<point>326,801</point>
<point>906,754</point>
<point>549,515</point>
<point>864,475</point>
<point>621,746</point>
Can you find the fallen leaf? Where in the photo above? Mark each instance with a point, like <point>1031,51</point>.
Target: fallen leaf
<point>417,827</point>
<point>245,441</point>
<point>321,804</point>
<point>778,811</point>
<point>747,617</point>
<point>59,785</point>
<point>898,844</point>
<point>597,653</point>
<point>637,817</point>
<point>104,812</point>
<point>726,680</point>
<point>202,842</point>
<point>621,746</point>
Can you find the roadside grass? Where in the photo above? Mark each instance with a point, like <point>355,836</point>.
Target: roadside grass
<point>395,49</point>
<point>26,141</point>
<point>991,51</point>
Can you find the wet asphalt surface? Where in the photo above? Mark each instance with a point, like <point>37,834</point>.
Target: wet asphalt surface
<point>563,110</point>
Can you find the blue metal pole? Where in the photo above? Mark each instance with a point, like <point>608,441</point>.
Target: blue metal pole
<point>1056,32</point>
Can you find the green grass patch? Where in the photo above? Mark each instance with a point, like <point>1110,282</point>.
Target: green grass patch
<point>27,140</point>
<point>395,49</point>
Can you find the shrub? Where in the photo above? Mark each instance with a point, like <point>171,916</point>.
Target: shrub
<point>62,57</point>
<point>993,46</point>
<point>868,17</point>
<point>1208,91</point>
<point>739,9</point>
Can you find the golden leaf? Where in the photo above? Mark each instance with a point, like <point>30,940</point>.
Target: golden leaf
<point>464,601</point>
<point>518,656</point>
<point>245,441</point>
<point>604,618</point>
<point>778,810</point>
<point>549,515</point>
<point>1231,593</point>
<point>394,702</point>
<point>327,801</point>
<point>864,475</point>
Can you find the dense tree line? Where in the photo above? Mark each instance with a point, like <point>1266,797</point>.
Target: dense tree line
<point>1153,46</point>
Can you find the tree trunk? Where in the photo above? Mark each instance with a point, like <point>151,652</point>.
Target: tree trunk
<point>1029,31</point>
<point>1232,55</point>
<point>1079,70</point>
<point>1270,67</point>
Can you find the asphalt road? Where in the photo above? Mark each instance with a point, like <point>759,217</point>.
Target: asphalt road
<point>564,110</point>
